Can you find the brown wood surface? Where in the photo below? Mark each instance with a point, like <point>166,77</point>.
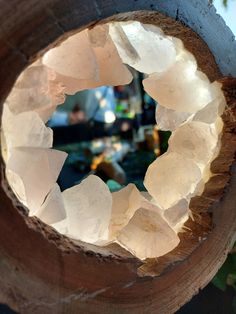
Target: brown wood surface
<point>44,272</point>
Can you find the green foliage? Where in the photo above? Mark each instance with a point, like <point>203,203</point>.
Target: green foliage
<point>227,273</point>
<point>225,2</point>
<point>226,276</point>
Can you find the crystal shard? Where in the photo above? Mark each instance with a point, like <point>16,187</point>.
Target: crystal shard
<point>88,208</point>
<point>21,100</point>
<point>61,226</point>
<point>148,235</point>
<point>80,63</point>
<point>132,40</point>
<point>170,178</point>
<point>195,140</point>
<point>52,210</point>
<point>124,204</point>
<point>36,90</point>
<point>177,215</point>
<point>214,109</point>
<point>106,57</point>
<point>35,172</point>
<point>168,119</point>
<point>181,88</point>
<point>98,35</point>
<point>25,130</point>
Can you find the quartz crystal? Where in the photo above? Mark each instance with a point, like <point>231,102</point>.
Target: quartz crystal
<point>88,209</point>
<point>73,58</point>
<point>106,57</point>
<point>27,99</point>
<point>148,235</point>
<point>52,210</point>
<point>214,109</point>
<point>36,90</point>
<point>98,35</point>
<point>25,130</point>
<point>177,215</point>
<point>4,150</point>
<point>35,172</point>
<point>35,76</point>
<point>181,88</point>
<point>195,140</point>
<point>61,226</point>
<point>170,178</point>
<point>169,119</point>
<point>124,204</point>
<point>143,46</point>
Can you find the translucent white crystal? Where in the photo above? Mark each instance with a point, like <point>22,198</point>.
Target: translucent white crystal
<point>17,185</point>
<point>36,90</point>
<point>143,47</point>
<point>171,178</point>
<point>106,56</point>
<point>148,235</point>
<point>181,88</point>
<point>74,58</point>
<point>214,109</point>
<point>52,210</point>
<point>4,150</point>
<point>195,140</point>
<point>35,76</point>
<point>61,226</point>
<point>35,172</point>
<point>27,99</point>
<point>168,119</point>
<point>45,113</point>
<point>25,130</point>
<point>88,208</point>
<point>98,35</point>
<point>124,204</point>
<point>56,89</point>
<point>177,215</point>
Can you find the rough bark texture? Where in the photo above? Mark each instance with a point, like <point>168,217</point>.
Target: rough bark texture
<point>44,272</point>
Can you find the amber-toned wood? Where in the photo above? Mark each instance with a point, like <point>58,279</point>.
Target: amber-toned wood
<point>44,272</point>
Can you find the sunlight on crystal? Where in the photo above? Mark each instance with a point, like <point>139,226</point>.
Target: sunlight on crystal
<point>172,177</point>
<point>88,204</point>
<point>35,171</point>
<point>78,72</point>
<point>53,209</point>
<point>145,42</point>
<point>145,223</point>
<point>148,234</point>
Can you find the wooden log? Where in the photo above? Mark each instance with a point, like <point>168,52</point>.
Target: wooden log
<point>44,272</point>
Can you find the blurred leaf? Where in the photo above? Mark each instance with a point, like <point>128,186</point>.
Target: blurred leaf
<point>225,2</point>
<point>229,267</point>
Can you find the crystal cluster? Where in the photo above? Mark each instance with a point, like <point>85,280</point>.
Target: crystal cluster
<point>146,224</point>
<point>92,53</point>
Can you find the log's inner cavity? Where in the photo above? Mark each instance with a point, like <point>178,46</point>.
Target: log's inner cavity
<point>145,224</point>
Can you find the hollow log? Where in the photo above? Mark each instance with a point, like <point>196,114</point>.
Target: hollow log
<point>45,272</point>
